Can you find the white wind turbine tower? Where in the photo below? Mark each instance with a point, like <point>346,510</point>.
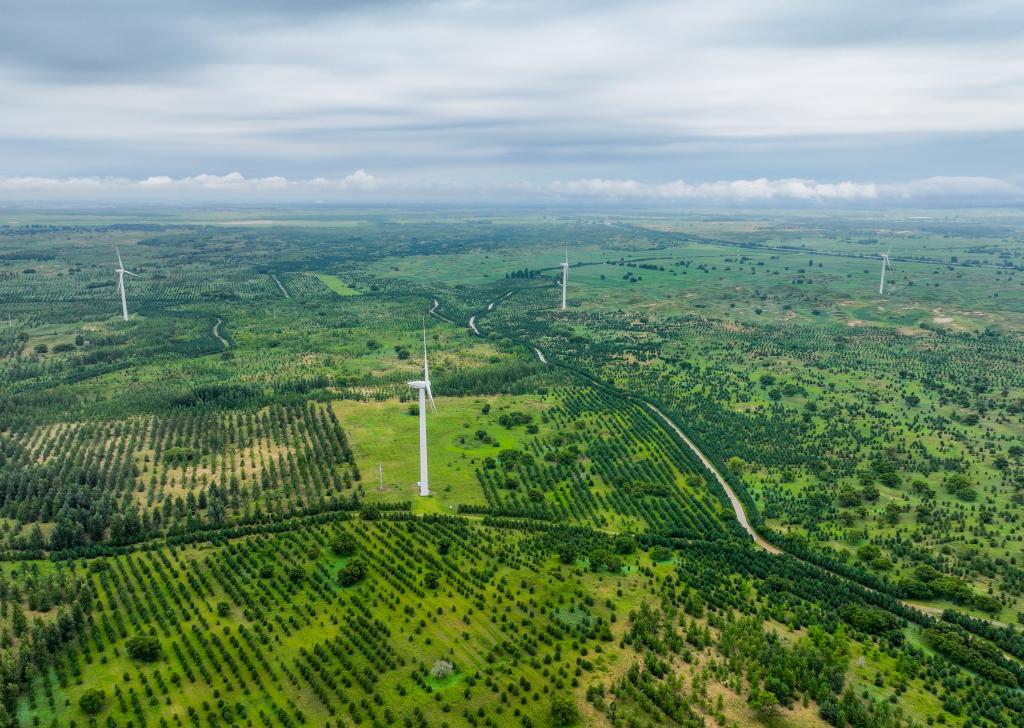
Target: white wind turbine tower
<point>886,265</point>
<point>120,283</point>
<point>424,389</point>
<point>565,275</point>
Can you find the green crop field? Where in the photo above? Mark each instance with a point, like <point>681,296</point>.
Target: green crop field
<point>209,513</point>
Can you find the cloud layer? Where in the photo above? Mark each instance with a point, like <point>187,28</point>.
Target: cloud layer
<point>362,187</point>
<point>482,93</point>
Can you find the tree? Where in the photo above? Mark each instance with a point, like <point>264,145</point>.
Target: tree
<point>892,512</point>
<point>960,485</point>
<point>143,647</point>
<point>625,544</point>
<point>92,701</point>
<point>344,544</point>
<point>430,580</point>
<point>568,553</point>
<point>848,496</point>
<point>661,553</point>
<point>352,572</point>
<point>563,711</point>
<point>763,701</point>
<point>442,669</point>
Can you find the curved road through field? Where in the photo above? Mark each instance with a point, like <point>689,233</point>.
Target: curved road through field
<point>283,289</point>
<point>433,312</point>
<point>216,332</point>
<point>737,504</point>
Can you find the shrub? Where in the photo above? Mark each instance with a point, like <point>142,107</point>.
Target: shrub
<point>563,711</point>
<point>92,701</point>
<point>143,647</point>
<point>661,553</point>
<point>442,669</point>
<point>352,572</point>
<point>344,545</point>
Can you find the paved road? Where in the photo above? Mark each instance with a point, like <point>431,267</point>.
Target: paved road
<point>216,332</point>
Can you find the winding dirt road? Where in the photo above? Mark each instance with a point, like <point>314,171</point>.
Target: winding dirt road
<point>737,505</point>
<point>216,332</point>
<point>285,292</point>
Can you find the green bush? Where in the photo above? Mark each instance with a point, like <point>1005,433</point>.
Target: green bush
<point>352,572</point>
<point>344,545</point>
<point>143,647</point>
<point>564,711</point>
<point>92,701</point>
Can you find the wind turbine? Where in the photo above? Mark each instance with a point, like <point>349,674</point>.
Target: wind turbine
<point>886,265</point>
<point>565,275</point>
<point>120,282</point>
<point>423,386</point>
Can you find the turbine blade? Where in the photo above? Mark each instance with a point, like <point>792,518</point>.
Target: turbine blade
<point>131,274</point>
<point>426,368</point>
<point>430,396</point>
<point>119,263</point>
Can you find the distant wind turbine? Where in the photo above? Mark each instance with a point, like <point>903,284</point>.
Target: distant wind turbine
<point>565,275</point>
<point>120,283</point>
<point>886,265</point>
<point>423,386</point>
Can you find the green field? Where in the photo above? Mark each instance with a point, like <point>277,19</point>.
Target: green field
<point>337,285</point>
<point>207,473</point>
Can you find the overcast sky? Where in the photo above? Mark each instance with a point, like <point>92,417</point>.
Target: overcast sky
<point>731,100</point>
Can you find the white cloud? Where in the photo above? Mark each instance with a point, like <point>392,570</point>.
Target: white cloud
<point>162,188</point>
<point>727,191</point>
<point>361,185</point>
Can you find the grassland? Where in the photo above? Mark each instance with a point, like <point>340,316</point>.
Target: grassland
<point>152,471</point>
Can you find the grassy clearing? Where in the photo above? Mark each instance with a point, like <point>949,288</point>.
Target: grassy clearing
<point>337,285</point>
<point>384,433</point>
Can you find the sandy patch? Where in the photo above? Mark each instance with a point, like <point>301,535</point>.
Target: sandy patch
<point>911,331</point>
<point>942,320</point>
